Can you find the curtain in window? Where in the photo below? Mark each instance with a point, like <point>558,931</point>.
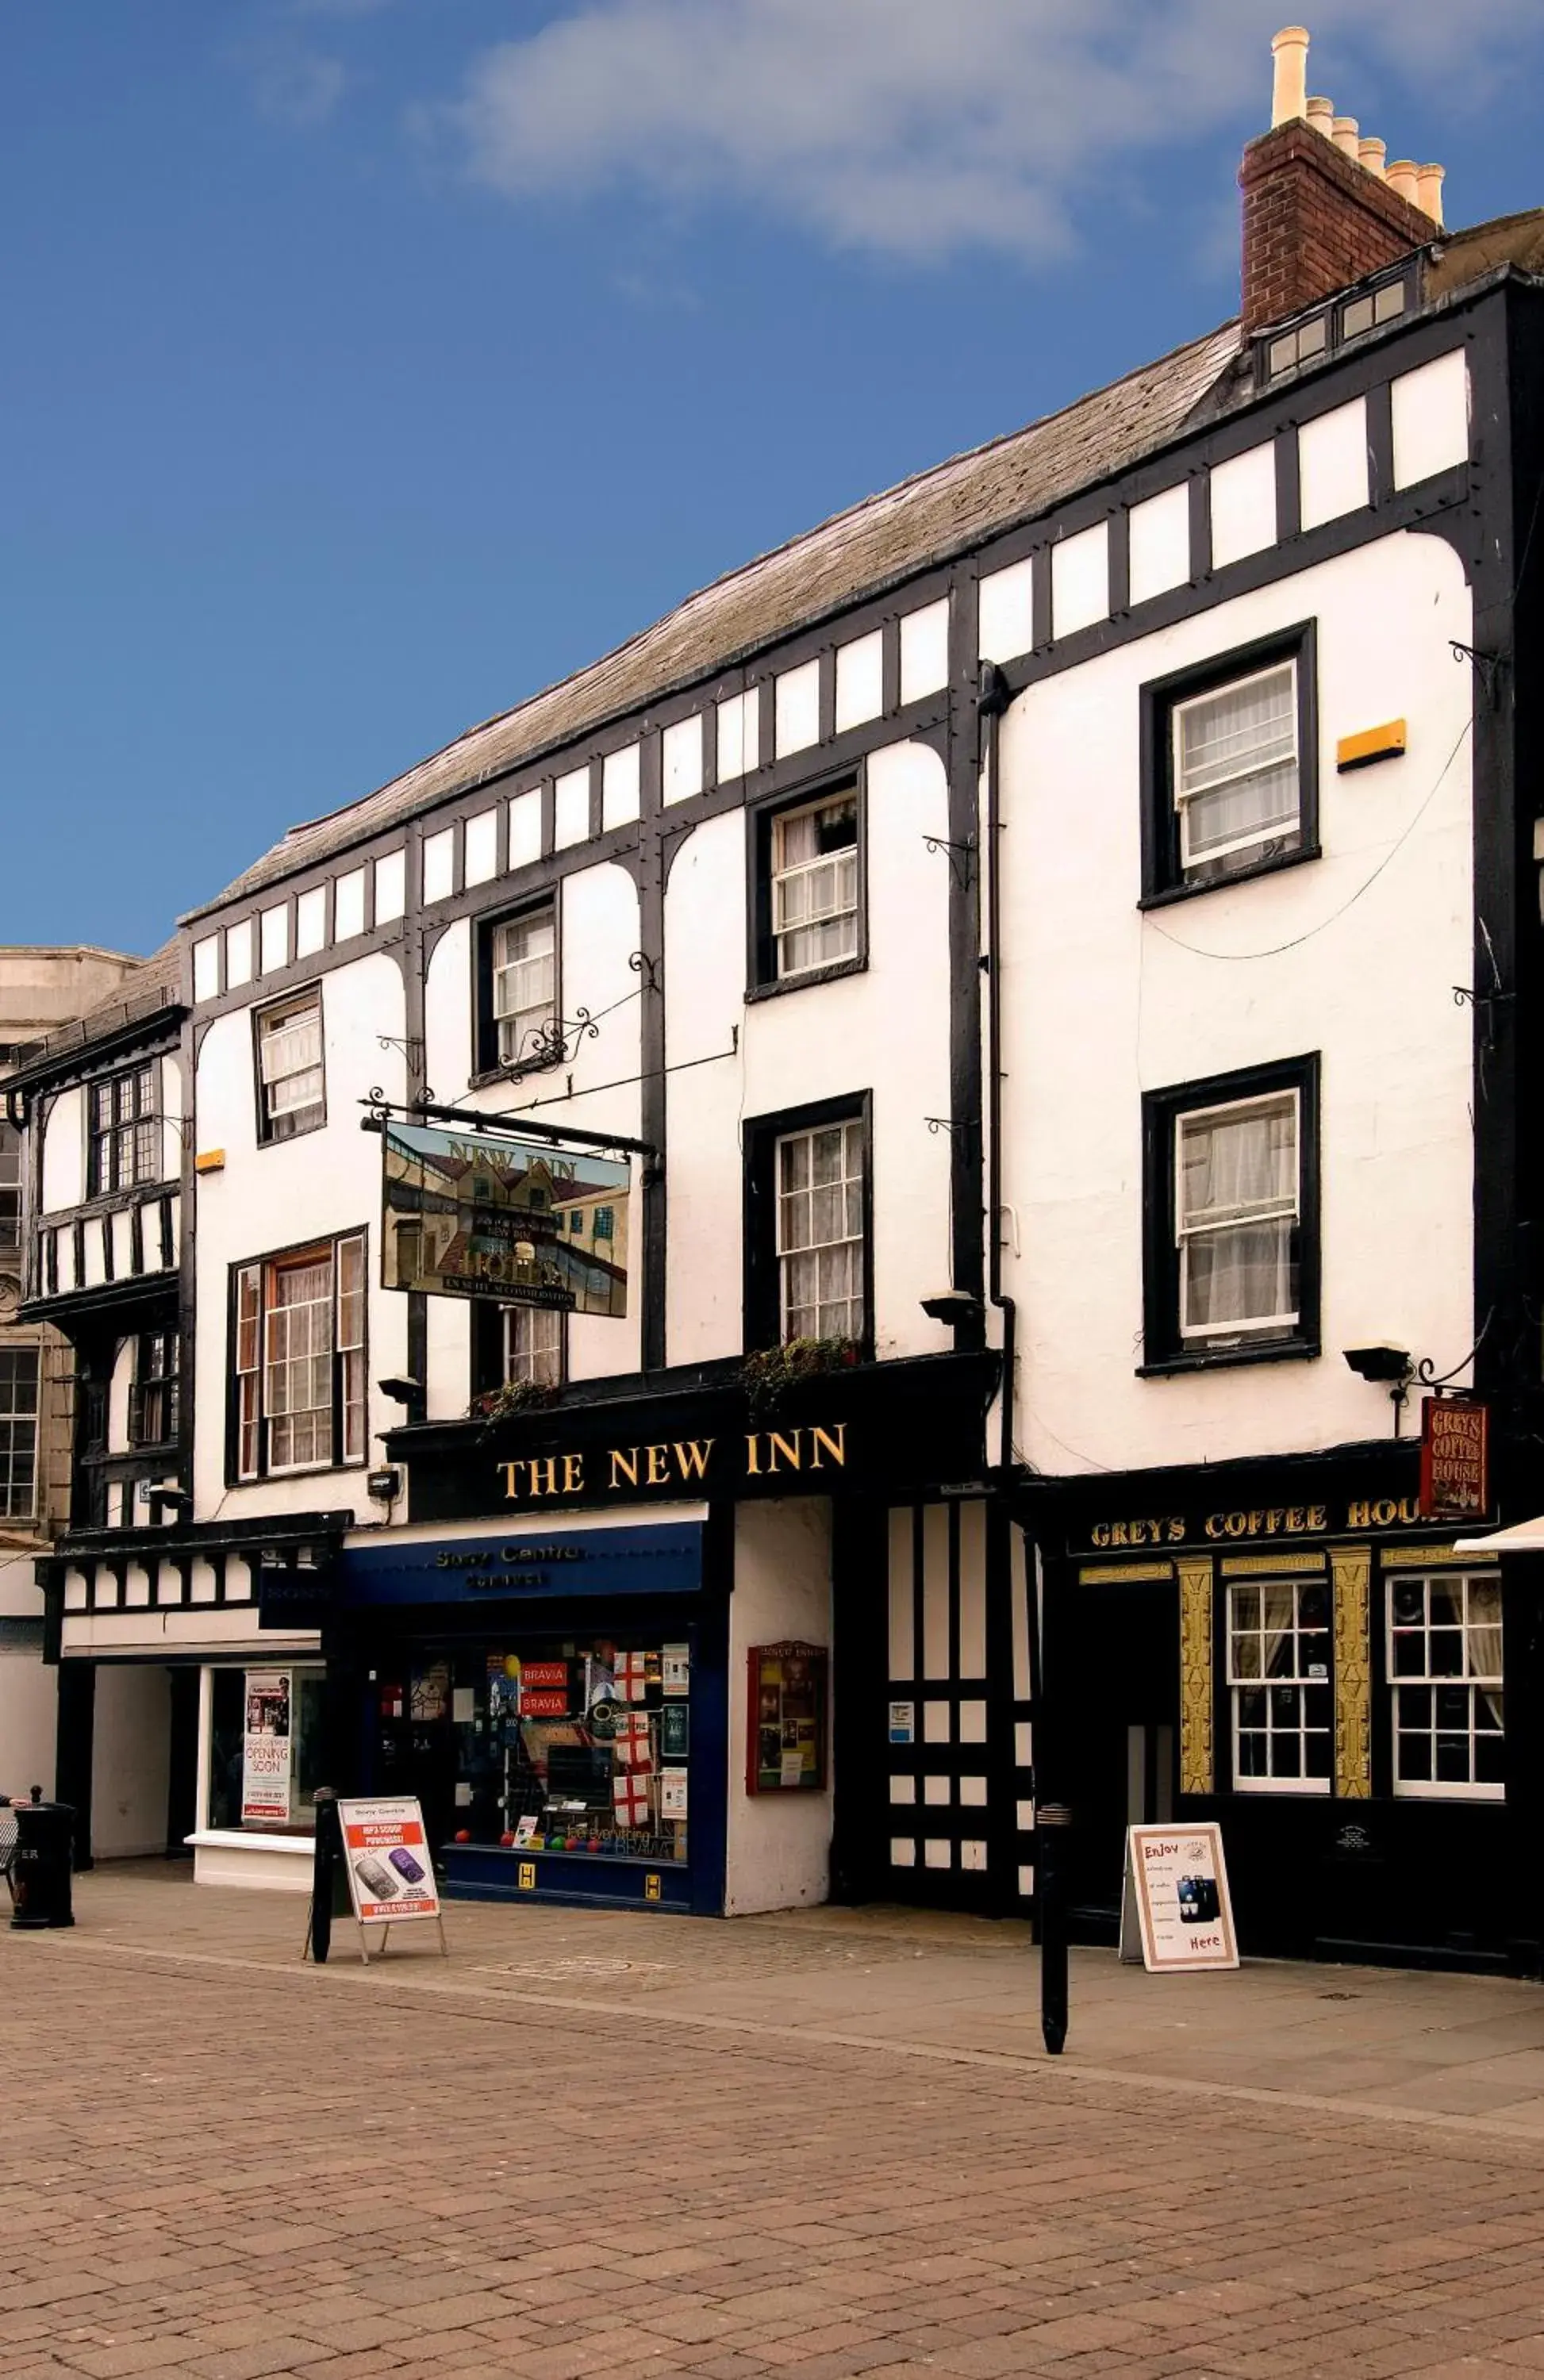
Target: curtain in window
<point>815,885</point>
<point>1238,1199</point>
<point>298,1384</point>
<point>1483,1646</point>
<point>1235,764</point>
<point>292,1063</point>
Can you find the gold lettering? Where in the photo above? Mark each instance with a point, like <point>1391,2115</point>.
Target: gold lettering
<point>1120,1534</point>
<point>1214,1524</point>
<point>573,1473</point>
<point>788,1447</point>
<point>1359,1515</point>
<point>1274,1522</point>
<point>1256,1521</point>
<point>835,1440</point>
<point>511,1485</point>
<point>658,1471</point>
<point>691,1460</point>
<point>1100,1534</point>
<point>1409,1507</point>
<point>1385,1512</point>
<point>543,1474</point>
<point>1175,1529</point>
<point>1236,1525</point>
<point>623,1466</point>
<point>1318,1516</point>
<point>752,1460</point>
<point>1294,1519</point>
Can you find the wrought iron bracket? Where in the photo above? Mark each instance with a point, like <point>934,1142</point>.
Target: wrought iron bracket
<point>1486,667</point>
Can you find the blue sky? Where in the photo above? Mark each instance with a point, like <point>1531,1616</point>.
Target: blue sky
<point>371,363</point>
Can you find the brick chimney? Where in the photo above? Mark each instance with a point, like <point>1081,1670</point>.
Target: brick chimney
<point>1316,217</point>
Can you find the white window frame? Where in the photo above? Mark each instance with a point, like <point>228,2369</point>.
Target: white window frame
<point>280,1121</point>
<point>853,1176</point>
<point>1434,1789</point>
<point>1184,795</point>
<point>782,877</point>
<point>1299,1682</point>
<point>254,1366</point>
<point>1257,1211</point>
<point>511,1024</point>
<point>533,1344</point>
<point>15,1415</point>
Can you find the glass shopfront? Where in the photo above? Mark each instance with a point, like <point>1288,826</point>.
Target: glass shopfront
<point>578,1743</point>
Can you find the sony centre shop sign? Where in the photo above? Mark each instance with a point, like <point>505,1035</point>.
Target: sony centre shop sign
<point>475,1214</point>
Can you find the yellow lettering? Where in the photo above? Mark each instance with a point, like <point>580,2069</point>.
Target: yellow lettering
<point>752,1460</point>
<point>1214,1524</point>
<point>543,1474</point>
<point>511,1484</point>
<point>1318,1517</point>
<point>1236,1525</point>
<point>623,1466</point>
<point>1120,1534</point>
<point>1272,1522</point>
<point>658,1471</point>
<point>788,1447</point>
<point>1294,1521</point>
<point>1100,1534</point>
<point>1256,1521</point>
<point>1385,1512</point>
<point>1176,1531</point>
<point>691,1460</point>
<point>1409,1507</point>
<point>833,1440</point>
<point>1358,1516</point>
<point>573,1473</point>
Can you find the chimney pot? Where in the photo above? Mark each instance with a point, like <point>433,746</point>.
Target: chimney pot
<point>1428,192</point>
<point>1321,115</point>
<point>1403,177</point>
<point>1345,135</point>
<point>1289,97</point>
<point>1372,153</point>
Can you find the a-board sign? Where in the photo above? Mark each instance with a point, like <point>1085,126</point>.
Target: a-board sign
<point>1175,1913</point>
<point>391,1876</point>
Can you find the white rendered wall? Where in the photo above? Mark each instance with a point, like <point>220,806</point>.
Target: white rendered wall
<point>1102,1002</point>
<point>64,1153</point>
<point>130,1760</point>
<point>29,1691</point>
<point>778,1845</point>
<point>884,1030</point>
<point>117,1397</point>
<point>266,1199</point>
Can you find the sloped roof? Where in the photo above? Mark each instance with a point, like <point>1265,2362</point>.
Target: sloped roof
<point>857,553</point>
<point>154,984</point>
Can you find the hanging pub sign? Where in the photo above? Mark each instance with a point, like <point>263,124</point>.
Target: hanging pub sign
<point>472,1215</point>
<point>1455,1458</point>
<point>785,1723</point>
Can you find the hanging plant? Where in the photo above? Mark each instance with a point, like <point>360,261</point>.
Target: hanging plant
<point>514,1397</point>
<point>768,1373</point>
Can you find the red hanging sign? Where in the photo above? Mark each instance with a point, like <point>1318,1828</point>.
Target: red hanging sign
<point>1455,1458</point>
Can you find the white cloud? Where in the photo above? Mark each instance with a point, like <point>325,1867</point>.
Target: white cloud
<point>920,128</point>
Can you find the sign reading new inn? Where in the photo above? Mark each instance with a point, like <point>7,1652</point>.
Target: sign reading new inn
<point>472,1215</point>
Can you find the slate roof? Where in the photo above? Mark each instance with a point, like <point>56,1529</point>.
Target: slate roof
<point>858,553</point>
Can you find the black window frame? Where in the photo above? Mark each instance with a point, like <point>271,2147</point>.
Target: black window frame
<point>761,1315</point>
<point>1163,878</point>
<point>488,1348</point>
<point>1164,1351</point>
<point>487,1066</point>
<point>157,1366</point>
<point>763,980</point>
<point>105,1140</point>
<point>292,1002</point>
<point>11,1143</point>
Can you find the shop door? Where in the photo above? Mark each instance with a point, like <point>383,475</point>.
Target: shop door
<point>415,1744</point>
<point>957,1718</point>
<point>1113,1675</point>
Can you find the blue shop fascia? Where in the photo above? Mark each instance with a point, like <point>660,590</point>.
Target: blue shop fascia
<point>555,1653</point>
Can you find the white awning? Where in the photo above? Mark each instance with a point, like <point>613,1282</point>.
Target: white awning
<point>1523,1537</point>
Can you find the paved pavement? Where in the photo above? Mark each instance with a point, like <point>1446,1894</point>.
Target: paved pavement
<point>825,2145</point>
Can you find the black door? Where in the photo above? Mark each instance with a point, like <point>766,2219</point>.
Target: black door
<point>1110,1729</point>
<point>182,1782</point>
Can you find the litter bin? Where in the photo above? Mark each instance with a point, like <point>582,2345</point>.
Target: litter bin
<point>41,1863</point>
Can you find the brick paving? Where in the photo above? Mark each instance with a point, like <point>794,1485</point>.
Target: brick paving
<point>220,2165</point>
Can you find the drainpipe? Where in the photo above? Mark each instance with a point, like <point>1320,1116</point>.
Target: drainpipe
<point>992,698</point>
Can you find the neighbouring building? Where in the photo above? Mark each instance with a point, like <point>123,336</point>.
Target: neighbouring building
<point>1056,949</point>
<point>42,989</point>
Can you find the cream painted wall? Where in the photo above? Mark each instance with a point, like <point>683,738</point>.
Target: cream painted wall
<point>29,1722</point>
<point>884,1029</point>
<point>1354,955</point>
<point>117,1397</point>
<point>64,1153</point>
<point>778,1847</point>
<point>130,1760</point>
<point>266,1199</point>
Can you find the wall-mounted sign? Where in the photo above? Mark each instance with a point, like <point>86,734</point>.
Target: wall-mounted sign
<point>475,1215</point>
<point>267,1748</point>
<point>651,1557</point>
<point>786,1719</point>
<point>1176,1913</point>
<point>1455,1468</point>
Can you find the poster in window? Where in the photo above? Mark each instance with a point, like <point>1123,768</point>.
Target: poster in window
<point>477,1215</point>
<point>267,1749</point>
<point>786,1718</point>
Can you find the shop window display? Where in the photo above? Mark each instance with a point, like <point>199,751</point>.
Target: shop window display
<point>265,1746</point>
<point>579,1746</point>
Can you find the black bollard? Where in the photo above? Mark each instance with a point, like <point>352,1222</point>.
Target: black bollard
<point>324,1869</point>
<point>1052,1819</point>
